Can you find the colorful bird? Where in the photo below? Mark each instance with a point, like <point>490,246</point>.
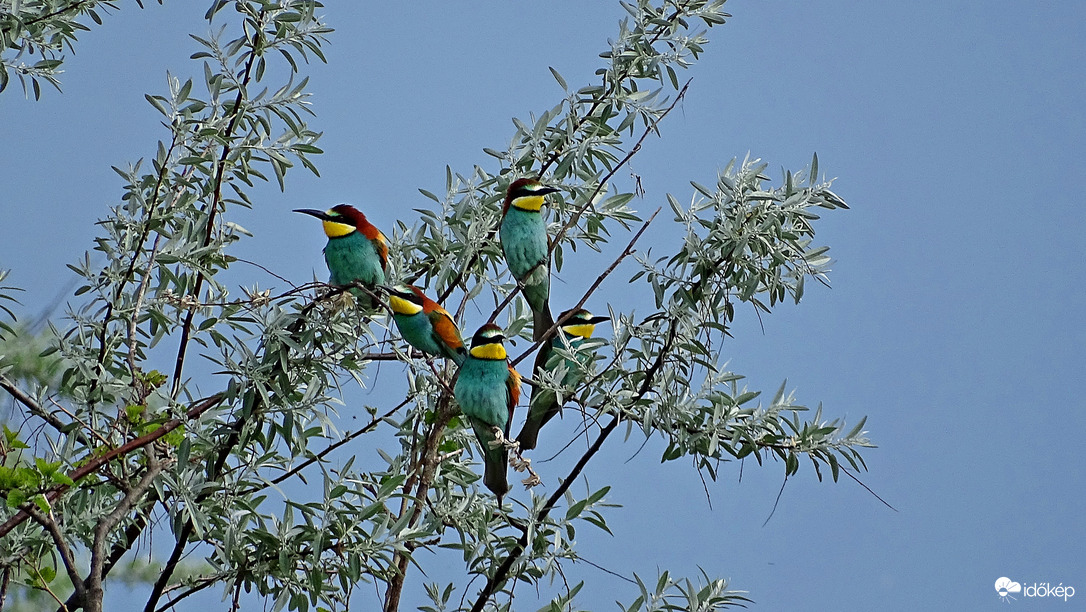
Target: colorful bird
<point>487,389</point>
<point>424,323</point>
<point>356,250</point>
<point>525,244</point>
<point>544,403</point>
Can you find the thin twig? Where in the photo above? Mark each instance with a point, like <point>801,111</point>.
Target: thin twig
<point>429,460</point>
<point>321,455</point>
<point>203,584</point>
<point>133,321</point>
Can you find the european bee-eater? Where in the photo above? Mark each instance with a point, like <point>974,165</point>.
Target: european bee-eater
<point>356,250</point>
<point>424,323</point>
<point>524,239</point>
<point>544,403</point>
<point>487,389</point>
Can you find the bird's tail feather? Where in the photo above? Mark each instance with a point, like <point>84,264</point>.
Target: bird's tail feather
<point>542,320</point>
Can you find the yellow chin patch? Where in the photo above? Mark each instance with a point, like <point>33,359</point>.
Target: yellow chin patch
<point>335,230</point>
<point>488,351</point>
<point>402,306</point>
<point>584,331</point>
<point>529,203</point>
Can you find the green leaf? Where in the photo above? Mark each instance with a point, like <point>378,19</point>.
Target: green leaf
<point>558,77</point>
<point>16,498</point>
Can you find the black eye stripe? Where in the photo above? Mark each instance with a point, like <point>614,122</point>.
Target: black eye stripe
<point>525,192</point>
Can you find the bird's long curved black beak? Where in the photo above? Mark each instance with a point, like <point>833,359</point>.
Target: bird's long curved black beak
<point>312,212</point>
<point>598,320</point>
<point>546,190</point>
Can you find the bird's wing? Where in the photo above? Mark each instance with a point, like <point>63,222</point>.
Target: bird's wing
<point>381,245</point>
<point>513,384</point>
<point>445,329</point>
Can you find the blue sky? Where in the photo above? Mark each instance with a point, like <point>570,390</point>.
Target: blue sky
<point>955,321</point>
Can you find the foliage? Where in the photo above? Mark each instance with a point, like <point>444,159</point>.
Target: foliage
<point>35,33</point>
<point>132,441</point>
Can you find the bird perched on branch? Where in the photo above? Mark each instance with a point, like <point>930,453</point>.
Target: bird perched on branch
<point>424,324</point>
<point>356,250</point>
<point>525,244</point>
<point>544,403</point>
<point>487,389</point>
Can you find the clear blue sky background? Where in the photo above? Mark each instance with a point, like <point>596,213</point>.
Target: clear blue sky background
<point>955,321</point>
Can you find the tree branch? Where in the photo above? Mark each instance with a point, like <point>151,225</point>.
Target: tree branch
<point>120,548</point>
<point>66,556</point>
<point>213,208</point>
<point>93,583</point>
<point>327,450</point>
<point>34,407</point>
<point>425,472</point>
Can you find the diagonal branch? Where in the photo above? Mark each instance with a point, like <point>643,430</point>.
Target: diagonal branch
<point>326,451</point>
<point>34,407</point>
<point>98,461</point>
<point>595,285</point>
<point>47,521</point>
<point>213,207</point>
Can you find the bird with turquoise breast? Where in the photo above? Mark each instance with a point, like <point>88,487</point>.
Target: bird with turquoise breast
<point>578,325</point>
<point>424,324</point>
<point>356,250</point>
<point>487,388</point>
<point>526,246</point>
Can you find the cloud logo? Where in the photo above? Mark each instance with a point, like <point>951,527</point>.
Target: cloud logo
<point>1005,586</point>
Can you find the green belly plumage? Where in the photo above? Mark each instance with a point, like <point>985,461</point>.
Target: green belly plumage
<point>353,258</point>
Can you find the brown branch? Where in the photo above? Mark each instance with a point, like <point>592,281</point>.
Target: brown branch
<point>98,461</point>
<point>4,585</point>
<point>429,461</point>
<point>120,548</point>
<point>93,584</point>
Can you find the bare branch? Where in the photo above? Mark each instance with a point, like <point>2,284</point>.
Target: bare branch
<point>47,521</point>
